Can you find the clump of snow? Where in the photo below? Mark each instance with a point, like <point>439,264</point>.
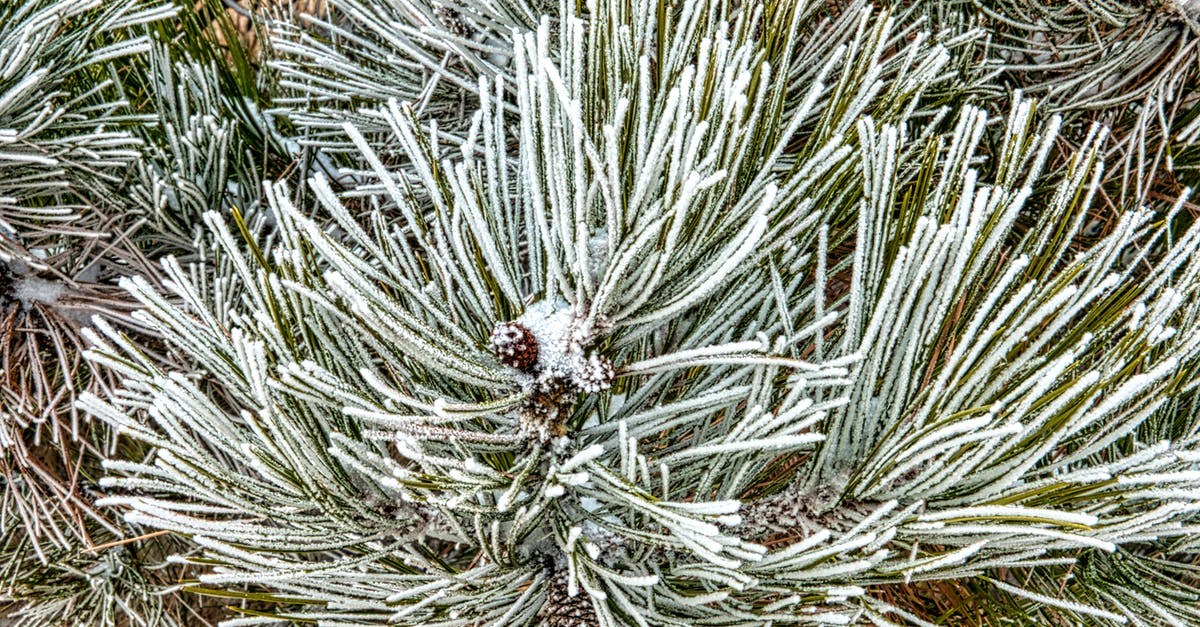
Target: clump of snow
<point>550,323</point>
<point>562,370</point>
<point>18,284</point>
<point>34,290</point>
<point>560,354</point>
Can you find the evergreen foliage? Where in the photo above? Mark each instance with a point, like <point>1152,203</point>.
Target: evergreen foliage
<point>506,312</point>
<point>66,142</point>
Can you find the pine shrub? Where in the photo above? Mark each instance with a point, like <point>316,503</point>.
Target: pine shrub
<point>451,313</point>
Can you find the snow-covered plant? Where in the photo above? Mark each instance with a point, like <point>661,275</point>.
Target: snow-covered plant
<point>197,156</point>
<point>599,313</point>
<point>1130,65</point>
<point>104,584</point>
<point>64,146</point>
<point>73,142</point>
<point>353,54</point>
<point>705,315</point>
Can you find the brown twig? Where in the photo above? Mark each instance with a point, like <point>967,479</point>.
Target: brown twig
<point>109,545</point>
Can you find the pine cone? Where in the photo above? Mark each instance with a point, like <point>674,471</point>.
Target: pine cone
<point>563,610</point>
<point>514,345</point>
